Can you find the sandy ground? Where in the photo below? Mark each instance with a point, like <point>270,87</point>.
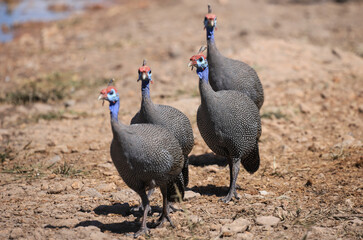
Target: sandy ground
<point>57,180</point>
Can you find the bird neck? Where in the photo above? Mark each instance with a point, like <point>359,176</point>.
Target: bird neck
<point>203,74</point>
<point>145,89</point>
<point>114,108</point>
<point>210,34</point>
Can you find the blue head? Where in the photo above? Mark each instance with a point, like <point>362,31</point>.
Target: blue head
<point>210,23</point>
<point>145,76</point>
<point>110,94</point>
<point>200,62</point>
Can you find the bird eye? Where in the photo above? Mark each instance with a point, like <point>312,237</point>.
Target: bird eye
<point>150,72</point>
<point>112,92</point>
<point>200,59</point>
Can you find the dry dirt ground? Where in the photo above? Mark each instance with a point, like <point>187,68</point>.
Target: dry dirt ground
<point>57,180</point>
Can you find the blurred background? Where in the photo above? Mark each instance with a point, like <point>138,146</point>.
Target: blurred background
<point>55,57</point>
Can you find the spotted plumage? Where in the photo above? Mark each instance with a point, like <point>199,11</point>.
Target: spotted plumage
<point>169,117</point>
<point>230,74</point>
<point>230,124</point>
<point>146,156</point>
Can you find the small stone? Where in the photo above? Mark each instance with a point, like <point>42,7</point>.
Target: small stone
<point>91,192</point>
<point>98,236</point>
<point>77,185</point>
<point>16,233</point>
<point>62,149</point>
<point>194,219</point>
<point>106,187</point>
<point>94,146</point>
<point>54,160</point>
<point>190,195</point>
<point>304,108</point>
<point>237,226</point>
<point>69,103</point>
<point>267,220</point>
<point>211,169</point>
<point>349,203</point>
<point>264,193</point>
<point>44,186</point>
<point>56,188</point>
<point>124,195</point>
<point>215,227</point>
<point>245,236</point>
<point>106,165</point>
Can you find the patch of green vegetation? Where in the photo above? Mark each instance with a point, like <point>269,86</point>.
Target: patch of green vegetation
<point>6,153</point>
<point>56,115</point>
<point>49,88</point>
<point>276,114</point>
<point>66,169</point>
<point>52,87</point>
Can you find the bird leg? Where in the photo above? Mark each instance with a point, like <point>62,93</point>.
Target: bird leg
<point>140,207</point>
<point>234,165</point>
<point>146,205</point>
<point>165,214</point>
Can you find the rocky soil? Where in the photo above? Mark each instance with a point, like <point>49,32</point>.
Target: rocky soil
<point>57,180</point>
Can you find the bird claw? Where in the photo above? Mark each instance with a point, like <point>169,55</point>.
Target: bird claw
<point>161,221</point>
<point>142,231</point>
<point>229,196</point>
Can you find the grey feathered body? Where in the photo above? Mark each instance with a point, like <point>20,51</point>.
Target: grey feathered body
<point>230,74</point>
<point>173,120</point>
<point>146,156</point>
<point>230,124</point>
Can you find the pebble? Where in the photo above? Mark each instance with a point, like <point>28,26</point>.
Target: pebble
<point>62,149</point>
<point>264,193</point>
<point>267,220</point>
<point>237,226</point>
<point>91,192</point>
<point>190,195</point>
<point>54,160</point>
<point>16,233</point>
<point>245,236</point>
<point>94,146</point>
<point>106,187</point>
<point>124,195</point>
<point>212,169</point>
<point>56,188</point>
<point>304,108</point>
<point>77,185</point>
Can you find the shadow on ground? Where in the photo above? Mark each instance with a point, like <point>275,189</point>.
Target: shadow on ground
<point>123,227</point>
<point>207,159</point>
<point>210,190</point>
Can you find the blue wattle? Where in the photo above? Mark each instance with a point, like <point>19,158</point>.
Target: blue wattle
<point>210,34</point>
<point>203,73</point>
<point>114,108</point>
<point>145,89</point>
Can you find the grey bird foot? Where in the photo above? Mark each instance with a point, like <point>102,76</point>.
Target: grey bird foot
<point>142,231</point>
<point>174,209</point>
<point>161,221</point>
<point>229,196</point>
<point>140,209</point>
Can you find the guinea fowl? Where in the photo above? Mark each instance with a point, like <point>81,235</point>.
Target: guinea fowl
<point>146,156</point>
<point>230,74</point>
<point>170,118</point>
<point>229,123</point>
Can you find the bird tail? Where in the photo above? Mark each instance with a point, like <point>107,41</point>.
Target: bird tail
<point>252,162</point>
<point>185,171</point>
<point>175,192</point>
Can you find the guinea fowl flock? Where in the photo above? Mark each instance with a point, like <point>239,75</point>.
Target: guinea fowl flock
<point>153,151</point>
